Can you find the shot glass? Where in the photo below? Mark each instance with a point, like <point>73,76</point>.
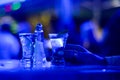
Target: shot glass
<point>58,42</point>
<point>27,42</point>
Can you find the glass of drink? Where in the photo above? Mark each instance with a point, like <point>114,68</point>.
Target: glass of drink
<point>27,42</point>
<point>58,42</point>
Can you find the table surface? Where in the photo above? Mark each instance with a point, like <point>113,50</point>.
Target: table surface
<point>86,72</point>
<point>81,72</point>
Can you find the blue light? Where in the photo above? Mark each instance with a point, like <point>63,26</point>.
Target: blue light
<point>2,2</point>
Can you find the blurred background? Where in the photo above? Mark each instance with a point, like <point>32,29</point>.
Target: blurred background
<point>94,24</point>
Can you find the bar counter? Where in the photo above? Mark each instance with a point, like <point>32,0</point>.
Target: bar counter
<point>83,72</point>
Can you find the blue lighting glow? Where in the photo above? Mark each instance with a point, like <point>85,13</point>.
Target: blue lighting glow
<point>2,2</point>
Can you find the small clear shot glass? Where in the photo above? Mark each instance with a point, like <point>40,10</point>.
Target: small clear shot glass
<point>27,42</point>
<point>58,42</point>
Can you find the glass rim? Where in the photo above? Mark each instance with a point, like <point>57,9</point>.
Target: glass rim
<point>55,35</point>
<point>25,34</point>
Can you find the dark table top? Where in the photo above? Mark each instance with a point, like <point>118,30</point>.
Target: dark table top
<point>83,72</point>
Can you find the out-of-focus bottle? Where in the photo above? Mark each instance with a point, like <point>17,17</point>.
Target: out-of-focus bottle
<point>39,58</point>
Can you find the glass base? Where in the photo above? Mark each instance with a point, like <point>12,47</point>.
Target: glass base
<point>26,63</point>
<point>58,62</point>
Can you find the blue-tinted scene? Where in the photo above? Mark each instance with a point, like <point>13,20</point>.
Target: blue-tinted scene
<point>68,37</point>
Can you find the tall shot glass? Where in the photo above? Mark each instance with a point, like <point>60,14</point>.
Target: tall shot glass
<point>58,42</point>
<point>27,42</point>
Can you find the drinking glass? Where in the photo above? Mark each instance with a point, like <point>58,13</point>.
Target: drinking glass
<point>58,42</point>
<point>27,42</point>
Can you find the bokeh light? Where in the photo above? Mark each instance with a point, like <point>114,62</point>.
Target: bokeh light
<point>16,5</point>
<point>8,8</point>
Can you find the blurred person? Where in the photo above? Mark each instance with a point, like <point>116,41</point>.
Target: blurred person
<point>112,39</point>
<point>9,44</point>
<point>91,36</point>
<point>92,33</point>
